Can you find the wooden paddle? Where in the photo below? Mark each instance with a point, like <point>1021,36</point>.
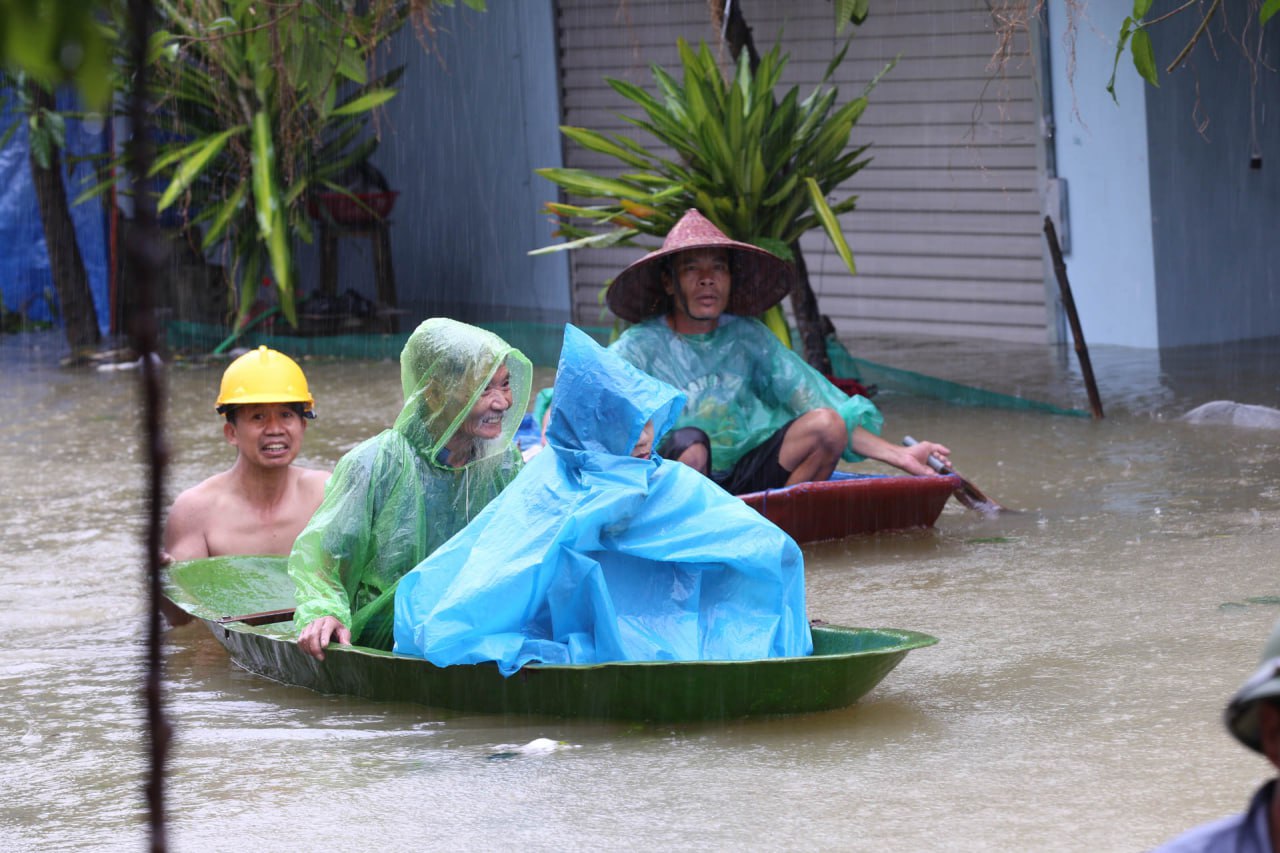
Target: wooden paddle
<point>968,494</point>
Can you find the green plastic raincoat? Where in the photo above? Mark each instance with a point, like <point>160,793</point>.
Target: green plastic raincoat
<point>743,384</point>
<point>392,501</point>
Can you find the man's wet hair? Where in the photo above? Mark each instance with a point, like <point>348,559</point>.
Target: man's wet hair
<point>299,408</point>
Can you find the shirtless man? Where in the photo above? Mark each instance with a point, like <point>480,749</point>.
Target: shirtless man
<point>261,503</point>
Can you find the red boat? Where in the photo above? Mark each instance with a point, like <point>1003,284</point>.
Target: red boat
<point>854,503</point>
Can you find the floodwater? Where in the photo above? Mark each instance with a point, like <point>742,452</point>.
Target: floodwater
<point>1088,645</point>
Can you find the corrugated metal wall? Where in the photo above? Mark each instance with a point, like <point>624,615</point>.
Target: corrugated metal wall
<point>947,232</point>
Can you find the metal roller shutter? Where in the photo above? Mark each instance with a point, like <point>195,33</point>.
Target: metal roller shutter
<point>947,230</point>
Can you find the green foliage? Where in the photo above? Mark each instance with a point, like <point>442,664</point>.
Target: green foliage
<point>46,129</point>
<point>1269,8</point>
<point>759,167</point>
<point>58,41</point>
<point>1135,34</point>
<point>249,95</point>
<point>259,106</point>
<point>847,11</point>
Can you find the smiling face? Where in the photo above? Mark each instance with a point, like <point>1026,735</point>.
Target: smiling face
<point>484,421</point>
<point>268,435</point>
<point>699,284</point>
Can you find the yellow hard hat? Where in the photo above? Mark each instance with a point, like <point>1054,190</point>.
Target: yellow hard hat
<point>263,376</point>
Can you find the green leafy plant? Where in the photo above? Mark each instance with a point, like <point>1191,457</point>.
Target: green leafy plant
<point>1135,35</point>
<point>258,105</point>
<point>56,41</point>
<point>759,167</point>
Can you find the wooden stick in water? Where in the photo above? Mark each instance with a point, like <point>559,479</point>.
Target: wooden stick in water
<point>1069,306</point>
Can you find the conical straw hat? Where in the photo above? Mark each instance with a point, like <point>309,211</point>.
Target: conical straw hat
<point>759,278</point>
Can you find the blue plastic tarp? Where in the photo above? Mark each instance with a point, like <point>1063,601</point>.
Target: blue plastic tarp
<point>26,284</point>
<point>591,555</point>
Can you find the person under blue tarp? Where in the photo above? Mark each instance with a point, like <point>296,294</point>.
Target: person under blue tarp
<point>593,554</point>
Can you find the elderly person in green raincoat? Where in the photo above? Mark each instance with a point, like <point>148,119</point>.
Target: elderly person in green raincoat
<point>398,496</point>
<point>758,417</point>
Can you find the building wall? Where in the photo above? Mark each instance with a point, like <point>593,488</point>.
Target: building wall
<point>476,114</point>
<point>1212,213</point>
<point>947,231</point>
<point>1101,151</point>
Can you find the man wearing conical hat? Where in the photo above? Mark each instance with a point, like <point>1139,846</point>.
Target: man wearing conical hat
<point>758,416</point>
<point>261,503</point>
<point>1253,718</point>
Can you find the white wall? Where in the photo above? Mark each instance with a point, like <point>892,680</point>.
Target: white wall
<point>1101,150</point>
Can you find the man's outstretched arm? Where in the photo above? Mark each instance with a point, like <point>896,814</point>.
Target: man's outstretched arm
<point>913,460</point>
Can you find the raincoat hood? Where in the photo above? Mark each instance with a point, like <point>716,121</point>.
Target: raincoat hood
<point>393,500</point>
<point>602,403</point>
<point>445,367</point>
<point>592,555</point>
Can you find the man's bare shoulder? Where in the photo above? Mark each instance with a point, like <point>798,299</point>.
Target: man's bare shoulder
<point>310,483</point>
<point>203,495</point>
<point>311,478</point>
<point>185,530</point>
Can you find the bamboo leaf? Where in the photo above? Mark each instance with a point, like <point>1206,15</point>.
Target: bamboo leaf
<point>173,155</point>
<point>365,102</point>
<point>351,64</point>
<point>270,212</point>
<point>225,211</point>
<point>248,294</point>
<point>193,165</point>
<point>830,224</point>
<point>1269,9</point>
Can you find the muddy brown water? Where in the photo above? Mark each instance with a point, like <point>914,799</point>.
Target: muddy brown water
<point>1088,645</point>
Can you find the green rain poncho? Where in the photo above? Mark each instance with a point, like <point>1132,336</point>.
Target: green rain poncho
<point>743,385</point>
<point>392,501</point>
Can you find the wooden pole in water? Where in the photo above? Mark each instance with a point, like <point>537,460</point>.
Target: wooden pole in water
<point>1069,305</point>
<point>143,251</point>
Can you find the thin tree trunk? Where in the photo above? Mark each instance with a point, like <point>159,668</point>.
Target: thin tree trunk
<point>727,14</point>
<point>65,262</point>
<point>804,304</point>
<point>144,249</point>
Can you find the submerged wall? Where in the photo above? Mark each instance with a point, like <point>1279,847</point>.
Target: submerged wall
<point>1213,215</point>
<point>1102,151</point>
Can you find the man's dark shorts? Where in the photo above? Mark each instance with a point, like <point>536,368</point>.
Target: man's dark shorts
<point>756,471</point>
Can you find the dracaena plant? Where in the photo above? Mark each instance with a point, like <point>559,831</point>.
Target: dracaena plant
<point>258,105</point>
<point>758,166</point>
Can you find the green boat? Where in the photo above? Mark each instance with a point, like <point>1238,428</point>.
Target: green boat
<point>247,602</point>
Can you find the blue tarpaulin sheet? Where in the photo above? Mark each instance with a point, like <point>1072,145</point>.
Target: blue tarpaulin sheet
<point>26,284</point>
